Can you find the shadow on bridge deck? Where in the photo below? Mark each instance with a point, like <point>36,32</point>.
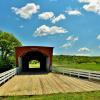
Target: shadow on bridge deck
<point>33,71</point>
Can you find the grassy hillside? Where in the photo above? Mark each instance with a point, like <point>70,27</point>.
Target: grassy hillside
<point>79,62</point>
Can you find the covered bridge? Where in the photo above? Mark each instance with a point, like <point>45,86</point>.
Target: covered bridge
<point>25,54</point>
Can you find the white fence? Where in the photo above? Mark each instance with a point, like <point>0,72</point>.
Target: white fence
<point>78,73</point>
<point>8,74</point>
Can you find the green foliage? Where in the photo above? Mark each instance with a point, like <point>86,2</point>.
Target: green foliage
<point>8,42</point>
<point>12,61</point>
<point>60,59</point>
<point>34,62</point>
<point>6,64</point>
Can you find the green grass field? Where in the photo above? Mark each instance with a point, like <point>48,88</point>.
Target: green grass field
<point>34,65</point>
<point>93,67</point>
<point>65,96</point>
<point>77,62</point>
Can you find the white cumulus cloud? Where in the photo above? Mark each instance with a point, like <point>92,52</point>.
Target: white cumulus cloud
<point>72,38</point>
<point>98,37</point>
<point>51,16</point>
<point>66,45</point>
<point>46,30</point>
<point>58,18</point>
<point>46,15</point>
<point>84,49</point>
<point>73,12</point>
<point>27,10</point>
<point>91,5</point>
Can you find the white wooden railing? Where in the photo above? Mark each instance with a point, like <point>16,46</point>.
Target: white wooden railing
<point>78,73</point>
<point>8,74</point>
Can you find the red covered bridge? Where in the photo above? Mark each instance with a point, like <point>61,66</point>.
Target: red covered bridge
<point>25,54</point>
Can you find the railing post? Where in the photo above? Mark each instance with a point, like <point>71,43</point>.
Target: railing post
<point>78,74</point>
<point>89,75</point>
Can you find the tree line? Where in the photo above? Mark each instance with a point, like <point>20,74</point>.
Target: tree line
<point>8,42</point>
<point>60,59</point>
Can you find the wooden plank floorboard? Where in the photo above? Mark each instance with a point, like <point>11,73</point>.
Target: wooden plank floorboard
<point>45,84</point>
<point>78,86</point>
<point>85,84</point>
<point>72,86</point>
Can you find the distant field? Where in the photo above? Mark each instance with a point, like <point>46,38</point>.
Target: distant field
<point>93,67</point>
<point>34,65</point>
<point>65,96</point>
<point>78,62</point>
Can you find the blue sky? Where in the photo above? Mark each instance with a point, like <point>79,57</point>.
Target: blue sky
<point>72,27</point>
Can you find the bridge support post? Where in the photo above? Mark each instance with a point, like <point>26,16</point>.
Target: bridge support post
<point>48,64</point>
<point>19,65</point>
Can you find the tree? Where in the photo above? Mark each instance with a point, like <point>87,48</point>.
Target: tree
<point>8,42</point>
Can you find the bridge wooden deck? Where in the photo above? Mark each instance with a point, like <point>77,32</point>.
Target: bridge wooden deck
<point>45,84</point>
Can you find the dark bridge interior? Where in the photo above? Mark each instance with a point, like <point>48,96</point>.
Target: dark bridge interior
<point>34,55</point>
